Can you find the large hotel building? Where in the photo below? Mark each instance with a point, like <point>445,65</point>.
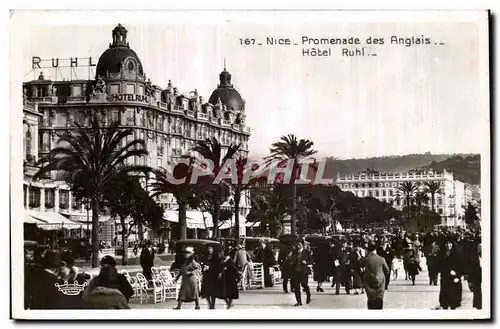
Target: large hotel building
<point>167,120</point>
<point>449,202</point>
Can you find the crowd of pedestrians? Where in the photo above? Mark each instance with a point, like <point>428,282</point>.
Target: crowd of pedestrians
<point>367,263</point>
<point>358,264</point>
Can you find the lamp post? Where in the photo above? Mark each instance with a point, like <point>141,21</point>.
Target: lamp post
<point>87,207</point>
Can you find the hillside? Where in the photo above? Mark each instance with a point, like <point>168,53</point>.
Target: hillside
<point>465,167</point>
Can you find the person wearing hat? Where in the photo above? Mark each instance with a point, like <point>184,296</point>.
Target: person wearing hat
<point>109,290</point>
<point>242,259</point>
<point>43,283</point>
<point>376,270</point>
<point>189,271</point>
<point>385,251</point>
<point>107,274</point>
<point>147,260</point>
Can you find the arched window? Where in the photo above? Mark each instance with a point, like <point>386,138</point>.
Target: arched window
<point>27,143</point>
<point>226,116</point>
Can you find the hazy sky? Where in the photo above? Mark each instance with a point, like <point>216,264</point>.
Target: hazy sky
<point>404,100</point>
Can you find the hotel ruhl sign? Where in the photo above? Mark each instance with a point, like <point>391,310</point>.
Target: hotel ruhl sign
<point>130,98</point>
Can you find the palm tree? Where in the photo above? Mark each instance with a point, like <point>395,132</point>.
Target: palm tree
<point>288,148</point>
<point>162,183</point>
<point>211,149</point>
<point>89,160</point>
<point>421,198</point>
<point>408,189</point>
<point>238,188</point>
<point>433,188</point>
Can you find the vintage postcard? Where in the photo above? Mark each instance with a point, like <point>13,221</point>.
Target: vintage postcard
<point>250,165</point>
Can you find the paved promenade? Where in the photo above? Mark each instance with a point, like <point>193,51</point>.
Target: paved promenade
<point>400,295</point>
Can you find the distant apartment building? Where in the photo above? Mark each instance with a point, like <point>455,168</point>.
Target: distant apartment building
<point>449,204</point>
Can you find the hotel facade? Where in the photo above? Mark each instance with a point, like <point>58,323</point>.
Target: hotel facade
<point>170,122</point>
<point>449,202</point>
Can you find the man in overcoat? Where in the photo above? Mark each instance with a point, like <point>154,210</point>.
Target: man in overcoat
<point>147,260</point>
<point>300,276</point>
<point>376,270</point>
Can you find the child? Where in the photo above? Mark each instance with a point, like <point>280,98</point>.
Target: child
<point>396,266</point>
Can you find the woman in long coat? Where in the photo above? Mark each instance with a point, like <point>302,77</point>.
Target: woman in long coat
<point>229,280</point>
<point>189,284</point>
<point>450,294</point>
<point>210,285</point>
<point>321,265</point>
<point>356,270</point>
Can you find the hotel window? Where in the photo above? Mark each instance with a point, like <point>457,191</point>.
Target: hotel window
<point>76,91</point>
<point>115,116</point>
<point>34,197</point>
<point>114,89</point>
<point>391,192</point>
<point>376,193</point>
<point>397,203</point>
<point>384,193</point>
<point>49,198</point>
<point>63,199</point>
<point>141,90</point>
<point>370,193</point>
<point>352,185</point>
<point>363,194</point>
<point>27,143</point>
<point>130,89</point>
<point>439,201</point>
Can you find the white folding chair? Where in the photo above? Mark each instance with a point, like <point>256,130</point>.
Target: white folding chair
<point>168,285</point>
<point>258,276</point>
<point>145,288</point>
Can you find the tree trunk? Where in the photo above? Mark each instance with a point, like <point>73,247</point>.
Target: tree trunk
<point>95,237</point>
<point>182,219</point>
<point>293,218</point>
<point>124,242</point>
<point>432,201</point>
<point>237,196</point>
<point>140,229</point>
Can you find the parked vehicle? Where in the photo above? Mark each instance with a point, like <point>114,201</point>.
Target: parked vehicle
<point>200,250</point>
<point>79,248</point>
<point>252,243</point>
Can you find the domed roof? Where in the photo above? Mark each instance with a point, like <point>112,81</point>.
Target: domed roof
<point>227,94</point>
<point>111,60</point>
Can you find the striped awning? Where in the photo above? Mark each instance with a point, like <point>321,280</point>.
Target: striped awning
<point>52,220</point>
<point>194,219</point>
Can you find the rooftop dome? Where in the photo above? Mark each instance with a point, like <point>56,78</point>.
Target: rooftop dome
<point>227,94</point>
<point>111,60</point>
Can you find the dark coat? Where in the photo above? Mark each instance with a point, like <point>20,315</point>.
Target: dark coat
<point>210,285</point>
<point>376,270</point>
<point>321,265</point>
<point>450,293</point>
<point>386,254</point>
<point>229,278</point>
<point>43,294</point>
<point>147,257</point>
<point>106,298</point>
<point>122,285</point>
<point>301,261</point>
<point>269,259</point>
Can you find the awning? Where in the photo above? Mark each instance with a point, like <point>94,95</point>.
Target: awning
<point>194,219</point>
<point>231,223</point>
<point>252,224</point>
<point>28,219</point>
<point>53,220</point>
